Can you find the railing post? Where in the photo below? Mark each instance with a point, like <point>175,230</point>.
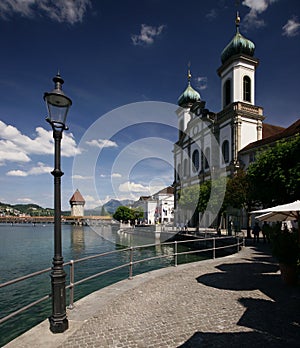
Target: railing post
<point>175,253</point>
<point>72,275</point>
<point>238,243</point>
<point>214,248</point>
<point>131,264</point>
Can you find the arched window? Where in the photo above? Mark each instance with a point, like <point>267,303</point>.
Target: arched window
<point>227,92</point>
<point>181,125</point>
<point>178,174</point>
<point>225,151</point>
<point>247,88</point>
<point>202,161</point>
<point>195,160</point>
<point>207,158</point>
<point>185,167</point>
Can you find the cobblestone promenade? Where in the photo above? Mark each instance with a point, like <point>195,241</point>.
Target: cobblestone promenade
<point>236,301</point>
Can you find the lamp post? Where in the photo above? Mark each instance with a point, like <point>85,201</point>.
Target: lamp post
<point>57,105</point>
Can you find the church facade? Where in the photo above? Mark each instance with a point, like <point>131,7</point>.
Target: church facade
<point>211,142</point>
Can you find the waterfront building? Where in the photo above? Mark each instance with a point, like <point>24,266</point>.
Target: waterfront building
<point>77,203</point>
<point>158,208</point>
<point>238,129</point>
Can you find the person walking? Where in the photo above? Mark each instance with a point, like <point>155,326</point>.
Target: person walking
<point>256,229</point>
<point>266,232</point>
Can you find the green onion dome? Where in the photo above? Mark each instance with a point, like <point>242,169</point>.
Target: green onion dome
<point>189,96</point>
<point>238,45</point>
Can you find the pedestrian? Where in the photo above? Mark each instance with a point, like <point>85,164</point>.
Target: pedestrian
<point>266,232</point>
<point>186,227</point>
<point>256,229</point>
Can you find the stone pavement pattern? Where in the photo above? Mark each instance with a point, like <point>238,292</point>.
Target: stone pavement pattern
<point>236,301</point>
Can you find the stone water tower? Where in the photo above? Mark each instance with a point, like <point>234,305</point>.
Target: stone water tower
<point>77,203</point>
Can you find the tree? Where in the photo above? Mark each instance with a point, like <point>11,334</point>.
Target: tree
<point>103,212</point>
<point>239,195</point>
<point>275,176</point>
<point>138,213</point>
<point>127,214</point>
<point>208,195</point>
<point>189,197</point>
<point>124,213</point>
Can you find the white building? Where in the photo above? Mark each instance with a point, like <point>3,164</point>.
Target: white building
<point>208,141</point>
<point>158,208</point>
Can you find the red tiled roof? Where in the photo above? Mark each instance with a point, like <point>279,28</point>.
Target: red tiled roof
<point>293,129</point>
<point>269,130</point>
<point>77,197</point>
<point>167,190</point>
<point>144,198</point>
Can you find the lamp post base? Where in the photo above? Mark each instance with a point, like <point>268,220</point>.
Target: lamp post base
<point>58,325</point>
<point>58,320</point>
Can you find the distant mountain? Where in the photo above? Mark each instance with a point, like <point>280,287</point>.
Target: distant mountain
<point>112,205</point>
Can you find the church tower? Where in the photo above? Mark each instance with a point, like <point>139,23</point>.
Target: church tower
<point>188,97</point>
<point>240,121</point>
<point>237,72</point>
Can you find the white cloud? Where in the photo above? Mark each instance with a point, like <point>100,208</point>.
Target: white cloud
<point>25,200</point>
<point>89,198</point>
<point>133,187</point>
<point>17,147</point>
<point>81,177</point>
<point>16,173</point>
<point>41,168</point>
<point>201,82</point>
<point>116,175</point>
<point>291,28</point>
<point>256,8</point>
<point>147,35</point>
<point>101,143</point>
<point>70,11</point>
<point>212,14</point>
<point>92,202</point>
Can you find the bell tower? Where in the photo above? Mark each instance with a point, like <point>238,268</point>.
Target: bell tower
<point>238,68</point>
<point>240,120</point>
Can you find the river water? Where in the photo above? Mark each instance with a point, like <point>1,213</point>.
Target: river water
<point>25,248</point>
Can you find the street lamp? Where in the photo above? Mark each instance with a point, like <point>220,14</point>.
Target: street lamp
<point>58,105</point>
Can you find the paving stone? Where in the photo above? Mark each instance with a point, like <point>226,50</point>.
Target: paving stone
<point>237,301</point>
<point>226,301</point>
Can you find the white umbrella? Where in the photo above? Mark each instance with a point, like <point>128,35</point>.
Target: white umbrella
<point>276,216</point>
<point>283,212</point>
<point>292,209</point>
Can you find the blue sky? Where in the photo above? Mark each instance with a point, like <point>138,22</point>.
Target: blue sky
<point>116,58</point>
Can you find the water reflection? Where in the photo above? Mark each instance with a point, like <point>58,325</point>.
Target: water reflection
<point>77,238</point>
<point>135,237</point>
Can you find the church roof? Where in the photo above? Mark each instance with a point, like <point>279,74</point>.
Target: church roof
<point>292,130</point>
<point>77,198</point>
<point>189,95</point>
<point>269,130</point>
<point>238,45</point>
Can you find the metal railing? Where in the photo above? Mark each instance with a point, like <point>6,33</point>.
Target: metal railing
<point>239,242</point>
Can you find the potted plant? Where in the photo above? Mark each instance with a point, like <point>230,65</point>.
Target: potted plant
<point>285,248</point>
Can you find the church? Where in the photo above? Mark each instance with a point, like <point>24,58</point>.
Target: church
<point>209,142</point>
